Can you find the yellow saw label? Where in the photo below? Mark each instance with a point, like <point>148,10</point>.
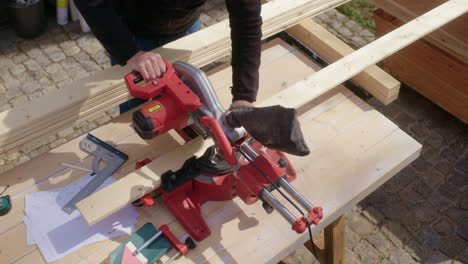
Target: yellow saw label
<point>154,108</point>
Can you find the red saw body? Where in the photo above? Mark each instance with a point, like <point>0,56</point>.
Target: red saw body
<point>236,166</point>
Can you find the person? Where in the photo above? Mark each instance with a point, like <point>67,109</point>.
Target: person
<point>130,29</point>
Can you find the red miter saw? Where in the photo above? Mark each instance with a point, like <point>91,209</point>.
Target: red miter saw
<point>236,165</point>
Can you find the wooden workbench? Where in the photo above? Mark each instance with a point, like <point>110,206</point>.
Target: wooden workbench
<point>354,149</point>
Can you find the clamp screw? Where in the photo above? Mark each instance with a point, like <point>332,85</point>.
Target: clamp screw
<point>282,163</point>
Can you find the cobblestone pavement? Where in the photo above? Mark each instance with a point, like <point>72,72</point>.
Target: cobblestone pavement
<point>420,215</point>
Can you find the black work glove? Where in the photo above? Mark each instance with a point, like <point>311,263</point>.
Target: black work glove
<point>276,127</point>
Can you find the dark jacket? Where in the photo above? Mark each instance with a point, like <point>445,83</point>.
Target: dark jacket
<point>116,23</point>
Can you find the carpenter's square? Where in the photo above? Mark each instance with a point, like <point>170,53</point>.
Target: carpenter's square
<point>103,152</point>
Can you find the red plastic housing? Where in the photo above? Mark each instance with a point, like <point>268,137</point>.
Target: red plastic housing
<point>171,101</point>
<point>251,182</point>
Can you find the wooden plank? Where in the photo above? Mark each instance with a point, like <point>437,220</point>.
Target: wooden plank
<point>451,37</point>
<point>212,42</point>
<point>326,79</point>
<point>376,81</point>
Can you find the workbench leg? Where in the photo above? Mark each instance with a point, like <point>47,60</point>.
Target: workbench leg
<point>332,249</point>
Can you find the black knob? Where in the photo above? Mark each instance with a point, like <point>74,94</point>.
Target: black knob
<point>282,163</point>
<point>268,208</point>
<point>190,243</point>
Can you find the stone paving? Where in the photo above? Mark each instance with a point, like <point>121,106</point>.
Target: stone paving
<point>419,216</point>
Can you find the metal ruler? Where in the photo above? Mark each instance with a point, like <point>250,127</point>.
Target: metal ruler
<point>107,160</point>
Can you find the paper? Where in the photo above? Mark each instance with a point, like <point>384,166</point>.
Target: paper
<point>58,234</point>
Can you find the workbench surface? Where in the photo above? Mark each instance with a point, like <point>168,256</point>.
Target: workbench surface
<point>354,150</point>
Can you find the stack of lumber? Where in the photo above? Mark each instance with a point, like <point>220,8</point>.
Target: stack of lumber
<point>437,65</point>
<point>90,97</point>
<point>354,148</point>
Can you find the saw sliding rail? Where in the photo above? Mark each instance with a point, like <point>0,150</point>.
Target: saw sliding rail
<point>268,197</point>
<point>312,214</point>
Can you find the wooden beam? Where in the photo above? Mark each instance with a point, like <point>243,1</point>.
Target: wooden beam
<point>373,79</point>
<point>335,241</point>
<point>92,96</point>
<point>333,249</point>
<point>298,96</point>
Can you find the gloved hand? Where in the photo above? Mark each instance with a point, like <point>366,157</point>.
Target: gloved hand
<point>276,127</point>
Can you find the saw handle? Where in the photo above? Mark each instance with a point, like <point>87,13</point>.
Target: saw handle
<point>220,138</point>
<point>150,89</point>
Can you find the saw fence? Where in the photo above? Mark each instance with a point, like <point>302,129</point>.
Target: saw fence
<point>354,148</point>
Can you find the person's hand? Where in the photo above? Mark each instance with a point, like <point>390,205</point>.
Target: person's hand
<point>241,103</point>
<point>150,65</point>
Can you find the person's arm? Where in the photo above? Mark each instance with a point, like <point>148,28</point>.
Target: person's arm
<point>117,39</point>
<point>246,33</point>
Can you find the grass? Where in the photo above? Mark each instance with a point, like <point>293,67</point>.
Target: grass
<point>360,11</point>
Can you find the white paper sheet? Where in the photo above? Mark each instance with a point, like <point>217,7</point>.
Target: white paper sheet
<point>58,234</point>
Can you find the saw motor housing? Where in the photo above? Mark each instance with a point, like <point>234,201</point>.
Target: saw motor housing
<point>235,166</point>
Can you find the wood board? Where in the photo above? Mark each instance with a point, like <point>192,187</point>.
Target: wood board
<point>330,48</point>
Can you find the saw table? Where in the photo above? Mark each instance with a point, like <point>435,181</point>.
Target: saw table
<point>354,150</point>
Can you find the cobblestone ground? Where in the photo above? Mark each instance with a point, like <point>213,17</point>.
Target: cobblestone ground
<point>420,215</point>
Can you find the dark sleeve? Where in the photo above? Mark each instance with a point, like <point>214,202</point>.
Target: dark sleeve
<point>246,35</point>
<point>108,28</point>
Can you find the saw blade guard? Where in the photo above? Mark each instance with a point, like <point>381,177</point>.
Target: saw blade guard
<point>199,83</point>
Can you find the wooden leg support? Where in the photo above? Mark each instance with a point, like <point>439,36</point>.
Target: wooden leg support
<point>330,248</point>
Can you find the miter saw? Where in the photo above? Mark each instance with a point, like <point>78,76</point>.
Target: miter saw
<point>244,161</point>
